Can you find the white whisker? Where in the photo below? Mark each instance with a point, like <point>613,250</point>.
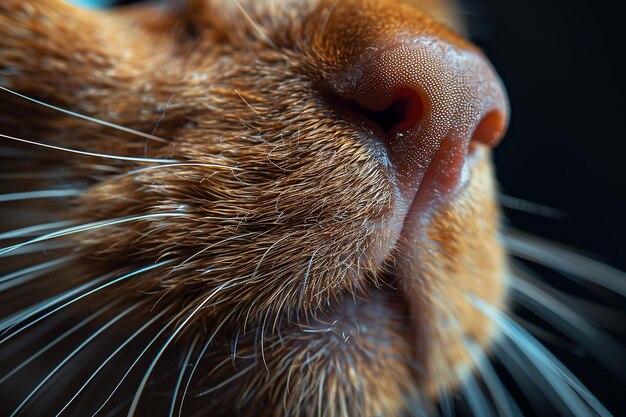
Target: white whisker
<point>31,195</point>
<point>179,328</point>
<point>551,255</point>
<point>179,380</point>
<point>201,251</point>
<point>573,393</point>
<point>130,368</point>
<point>445,404</point>
<point>88,118</point>
<point>34,230</point>
<point>474,396</point>
<point>192,164</point>
<point>86,153</point>
<point>195,365</point>
<point>227,381</point>
<point>80,297</point>
<point>418,410</point>
<point>115,411</point>
<point>11,280</point>
<point>9,322</point>
<point>525,375</point>
<point>56,341</point>
<point>111,356</point>
<point>70,356</point>
<point>561,387</point>
<point>306,278</point>
<point>530,207</point>
<point>604,348</point>
<point>504,403</point>
<point>44,247</point>
<point>86,227</point>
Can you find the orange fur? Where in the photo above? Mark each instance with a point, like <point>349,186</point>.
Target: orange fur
<point>281,224</point>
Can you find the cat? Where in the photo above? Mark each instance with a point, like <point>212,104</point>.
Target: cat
<point>260,208</point>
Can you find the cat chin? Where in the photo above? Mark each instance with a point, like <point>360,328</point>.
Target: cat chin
<point>423,304</point>
<point>447,258</point>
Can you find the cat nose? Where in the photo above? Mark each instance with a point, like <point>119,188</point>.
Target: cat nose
<point>427,100</point>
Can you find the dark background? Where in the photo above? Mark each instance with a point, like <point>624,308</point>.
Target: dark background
<point>562,64</point>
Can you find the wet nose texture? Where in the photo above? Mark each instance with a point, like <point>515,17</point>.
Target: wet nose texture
<point>427,100</point>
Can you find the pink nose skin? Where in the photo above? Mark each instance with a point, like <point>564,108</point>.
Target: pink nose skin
<point>429,100</point>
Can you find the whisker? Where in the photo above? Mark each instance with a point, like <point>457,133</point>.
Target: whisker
<point>604,348</point>
<point>11,280</point>
<point>8,323</point>
<point>306,278</point>
<point>179,328</point>
<point>603,316</point>
<point>553,371</point>
<point>525,375</point>
<point>44,247</point>
<point>551,255</point>
<point>515,203</point>
<point>115,412</point>
<point>418,410</point>
<point>191,164</point>
<point>263,327</point>
<point>31,195</point>
<point>227,381</point>
<point>195,365</point>
<point>445,404</point>
<point>505,404</point>
<point>70,356</point>
<point>201,251</point>
<point>474,396</point>
<point>88,293</point>
<point>562,389</point>
<point>56,341</point>
<point>34,230</point>
<point>132,365</point>
<point>88,118</point>
<point>86,227</point>
<point>86,153</point>
<point>111,356</point>
<point>99,167</point>
<point>183,368</point>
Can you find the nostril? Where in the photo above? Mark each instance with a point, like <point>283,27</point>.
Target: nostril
<point>422,103</point>
<point>491,128</point>
<point>403,112</point>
